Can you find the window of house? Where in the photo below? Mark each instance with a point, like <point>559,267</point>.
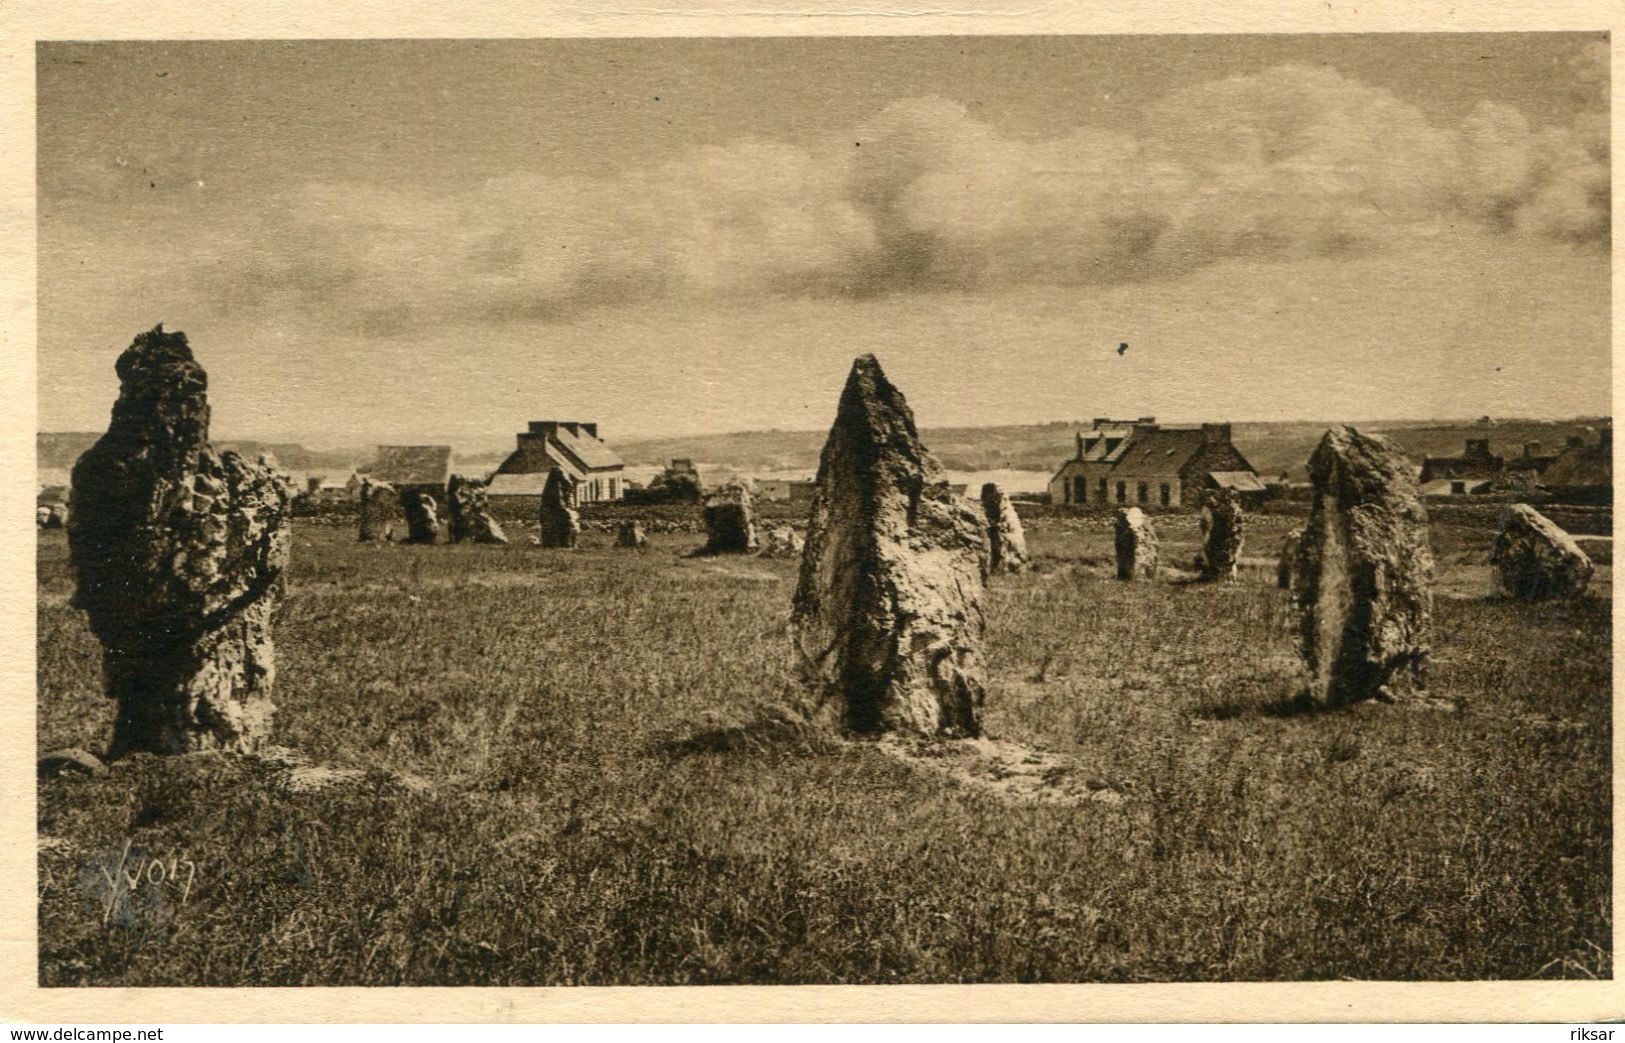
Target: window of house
<point>1102,488</point>
<point>1164,494</point>
<point>1122,492</point>
<point>1458,488</point>
<point>1145,494</point>
<point>1080,489</point>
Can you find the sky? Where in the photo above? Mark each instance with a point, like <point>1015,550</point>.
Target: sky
<point>388,241</point>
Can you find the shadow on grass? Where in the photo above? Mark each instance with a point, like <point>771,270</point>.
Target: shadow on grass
<point>1298,705</point>
<point>777,731</point>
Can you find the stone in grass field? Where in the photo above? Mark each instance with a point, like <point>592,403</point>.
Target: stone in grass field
<point>1289,554</point>
<point>179,551</point>
<point>1007,544</point>
<point>1223,529</point>
<point>70,761</point>
<point>1136,545</point>
<point>887,617</point>
<point>380,507</point>
<point>631,534</point>
<point>1535,560</point>
<point>1363,574</point>
<point>471,520</point>
<point>422,516</point>
<point>784,542</point>
<point>561,524</point>
<point>730,524</point>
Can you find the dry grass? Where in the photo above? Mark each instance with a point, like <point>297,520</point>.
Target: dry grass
<point>586,768</point>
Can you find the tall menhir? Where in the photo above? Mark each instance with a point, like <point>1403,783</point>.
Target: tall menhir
<point>887,619</point>
<point>179,551</point>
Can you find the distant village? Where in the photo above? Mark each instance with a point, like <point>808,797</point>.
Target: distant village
<point>1114,462</point>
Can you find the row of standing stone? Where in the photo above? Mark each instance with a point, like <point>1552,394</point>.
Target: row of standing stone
<point>180,553</point>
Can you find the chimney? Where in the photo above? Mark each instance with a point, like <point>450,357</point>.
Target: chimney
<point>313,483</point>
<point>544,427</point>
<point>1478,447</point>
<point>591,429</point>
<point>1216,434</point>
<point>1102,421</point>
<point>1080,445</point>
<point>1148,420</point>
<point>570,426</point>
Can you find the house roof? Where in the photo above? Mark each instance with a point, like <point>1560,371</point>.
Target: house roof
<point>52,494</point>
<point>1165,449</point>
<point>411,465</point>
<point>593,454</point>
<point>1240,481</point>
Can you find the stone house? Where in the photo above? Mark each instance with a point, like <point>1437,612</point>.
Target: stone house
<point>595,470</point>
<point>1146,464</point>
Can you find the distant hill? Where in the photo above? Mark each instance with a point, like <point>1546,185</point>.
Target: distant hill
<point>57,451</point>
<point>1270,447</point>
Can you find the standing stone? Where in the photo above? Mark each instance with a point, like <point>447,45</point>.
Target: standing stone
<point>1007,544</point>
<point>471,520</point>
<point>1535,560</point>
<point>179,551</point>
<point>784,542</point>
<point>380,507</point>
<point>1363,574</point>
<point>1136,545</point>
<point>561,524</point>
<point>730,527</point>
<point>422,516</point>
<point>631,534</point>
<point>887,618</point>
<point>1289,554</point>
<point>1223,525</point>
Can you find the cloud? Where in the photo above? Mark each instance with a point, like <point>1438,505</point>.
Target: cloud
<point>1296,161</point>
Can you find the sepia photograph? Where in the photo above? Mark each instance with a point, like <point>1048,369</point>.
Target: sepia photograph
<point>823,510</point>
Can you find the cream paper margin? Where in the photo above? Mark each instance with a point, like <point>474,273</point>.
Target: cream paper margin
<point>21,1000</point>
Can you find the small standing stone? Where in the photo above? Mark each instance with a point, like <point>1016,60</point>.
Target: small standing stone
<point>1223,525</point>
<point>887,617</point>
<point>730,526</point>
<point>380,507</point>
<point>1535,560</point>
<point>783,542</point>
<point>561,524</point>
<point>631,534</point>
<point>179,551</point>
<point>1007,544</point>
<point>1136,545</point>
<point>1362,581</point>
<point>422,516</point>
<point>471,519</point>
<point>1289,554</point>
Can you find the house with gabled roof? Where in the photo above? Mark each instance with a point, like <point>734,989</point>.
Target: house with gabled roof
<point>1146,464</point>
<point>574,447</point>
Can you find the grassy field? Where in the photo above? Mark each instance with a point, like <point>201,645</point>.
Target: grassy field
<point>586,768</point>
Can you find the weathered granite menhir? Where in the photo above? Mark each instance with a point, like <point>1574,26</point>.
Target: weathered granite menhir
<point>179,551</point>
<point>1535,560</point>
<point>471,518</point>
<point>887,618</point>
<point>1134,539</point>
<point>1007,543</point>
<point>560,522</point>
<point>1362,580</point>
